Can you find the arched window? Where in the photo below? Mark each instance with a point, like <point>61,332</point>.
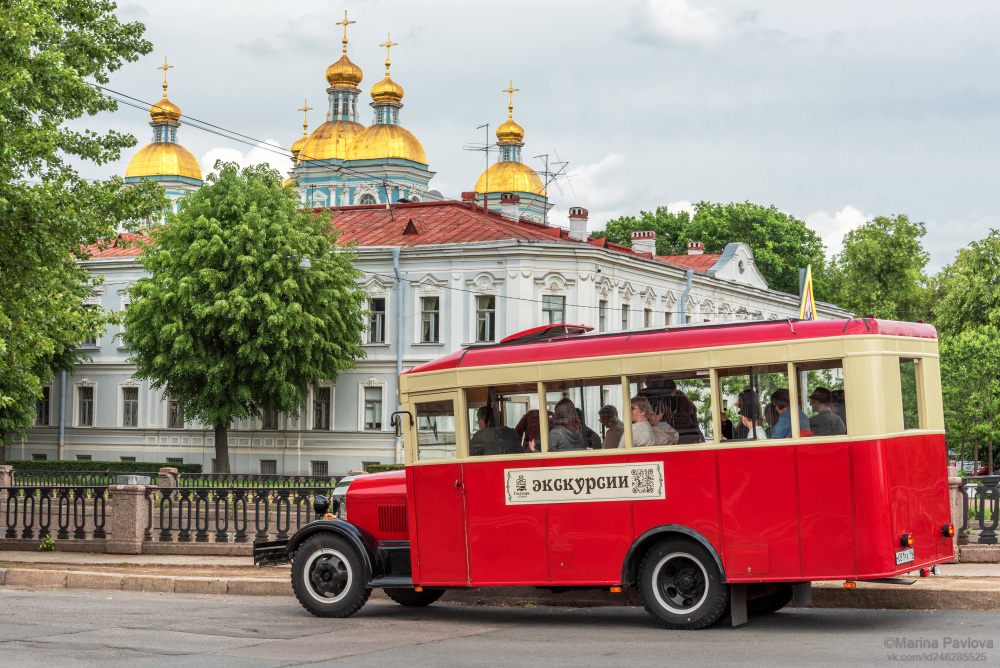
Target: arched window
<point>367,199</point>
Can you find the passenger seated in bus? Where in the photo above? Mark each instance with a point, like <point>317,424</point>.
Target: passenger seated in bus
<point>751,417</point>
<point>491,439</point>
<point>825,422</point>
<point>613,427</point>
<point>566,432</point>
<point>642,431</point>
<point>839,406</point>
<point>590,437</point>
<point>745,397</point>
<point>665,434</point>
<point>683,415</point>
<point>783,427</point>
<point>530,430</point>
<point>727,426</point>
<point>771,418</point>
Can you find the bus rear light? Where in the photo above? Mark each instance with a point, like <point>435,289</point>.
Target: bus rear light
<point>906,540</point>
<point>850,585</point>
<point>948,530</point>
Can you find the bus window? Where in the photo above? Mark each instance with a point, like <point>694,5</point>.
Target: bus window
<point>757,402</point>
<point>680,408</point>
<point>575,409</point>
<point>503,419</point>
<point>821,389</point>
<point>908,385</point>
<point>435,430</point>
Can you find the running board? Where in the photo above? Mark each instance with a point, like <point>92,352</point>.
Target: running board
<point>892,581</point>
<point>391,581</point>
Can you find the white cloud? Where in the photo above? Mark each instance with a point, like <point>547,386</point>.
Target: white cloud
<point>832,228</point>
<point>678,22</point>
<point>682,205</point>
<point>265,152</point>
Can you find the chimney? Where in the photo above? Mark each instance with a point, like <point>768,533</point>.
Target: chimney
<point>578,223</point>
<point>644,241</point>
<point>510,206</point>
<point>695,248</point>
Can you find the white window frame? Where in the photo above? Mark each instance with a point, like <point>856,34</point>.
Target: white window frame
<point>492,318</point>
<point>121,405</point>
<point>311,412</point>
<point>48,408</point>
<point>436,330</point>
<point>385,320</point>
<point>373,382</point>
<point>429,286</point>
<point>166,415</point>
<point>83,382</point>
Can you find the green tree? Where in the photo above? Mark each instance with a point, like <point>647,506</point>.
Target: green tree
<point>970,379</point>
<point>228,320</point>
<point>969,288</point>
<point>881,269</point>
<point>782,244</point>
<point>51,53</point>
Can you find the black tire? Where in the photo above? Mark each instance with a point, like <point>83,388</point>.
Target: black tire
<point>770,602</point>
<point>414,599</point>
<point>681,587</point>
<point>328,576</point>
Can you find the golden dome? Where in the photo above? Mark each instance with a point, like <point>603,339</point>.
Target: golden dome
<point>344,73</point>
<point>330,141</point>
<point>163,159</point>
<point>510,177</point>
<point>387,90</point>
<point>299,143</point>
<point>165,110</point>
<point>289,183</point>
<point>510,132</point>
<point>387,141</point>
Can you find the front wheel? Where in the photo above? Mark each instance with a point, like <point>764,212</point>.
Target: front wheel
<point>412,598</point>
<point>328,576</point>
<point>681,587</point>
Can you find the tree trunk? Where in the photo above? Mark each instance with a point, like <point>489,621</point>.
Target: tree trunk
<point>989,456</point>
<point>222,448</point>
<point>975,455</point>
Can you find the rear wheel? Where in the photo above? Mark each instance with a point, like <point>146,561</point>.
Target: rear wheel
<point>328,576</point>
<point>412,598</point>
<point>770,602</point>
<point>680,585</point>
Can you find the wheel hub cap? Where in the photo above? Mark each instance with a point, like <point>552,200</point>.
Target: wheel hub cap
<point>329,576</point>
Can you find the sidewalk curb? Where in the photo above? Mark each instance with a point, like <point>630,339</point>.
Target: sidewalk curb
<point>824,596</point>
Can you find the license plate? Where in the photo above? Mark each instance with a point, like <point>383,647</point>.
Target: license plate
<point>904,556</point>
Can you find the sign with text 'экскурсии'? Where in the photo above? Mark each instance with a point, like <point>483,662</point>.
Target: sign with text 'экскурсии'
<point>576,484</point>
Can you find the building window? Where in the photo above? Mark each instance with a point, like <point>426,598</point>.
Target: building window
<point>430,319</point>
<point>667,318</point>
<point>336,106</point>
<point>175,418</point>
<point>376,326</point>
<point>39,458</point>
<point>486,318</point>
<point>179,460</point>
<point>86,408</point>
<point>83,458</point>
<point>126,459</point>
<point>270,420</point>
<point>90,341</point>
<point>602,316</point>
<point>373,408</point>
<point>624,316</point>
<point>365,465</point>
<point>367,200</point>
<point>321,408</point>
<point>379,116</point>
<point>269,467</point>
<point>319,468</point>
<point>130,406</point>
<point>42,408</point>
<point>647,317</point>
<point>553,309</point>
<point>395,116</point>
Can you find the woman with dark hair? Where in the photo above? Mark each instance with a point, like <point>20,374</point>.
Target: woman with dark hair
<point>567,433</point>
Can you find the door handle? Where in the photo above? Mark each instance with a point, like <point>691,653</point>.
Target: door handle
<point>457,484</point>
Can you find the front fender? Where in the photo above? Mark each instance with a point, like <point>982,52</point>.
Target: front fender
<point>363,541</point>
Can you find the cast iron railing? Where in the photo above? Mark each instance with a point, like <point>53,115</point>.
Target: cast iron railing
<point>981,507</point>
<point>71,512</point>
<point>234,480</point>
<point>75,478</point>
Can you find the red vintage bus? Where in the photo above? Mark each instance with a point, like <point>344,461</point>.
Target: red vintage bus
<point>716,468</point>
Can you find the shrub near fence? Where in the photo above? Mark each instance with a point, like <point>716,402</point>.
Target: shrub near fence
<point>102,467</point>
<point>379,468</point>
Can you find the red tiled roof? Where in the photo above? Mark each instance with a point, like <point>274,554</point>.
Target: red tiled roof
<point>412,224</point>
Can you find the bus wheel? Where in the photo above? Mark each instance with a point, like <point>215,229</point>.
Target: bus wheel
<point>771,602</point>
<point>412,598</point>
<point>681,587</point>
<point>328,576</point>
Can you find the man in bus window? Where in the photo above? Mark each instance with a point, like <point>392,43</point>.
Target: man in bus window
<point>825,422</point>
<point>642,431</point>
<point>839,406</point>
<point>665,434</point>
<point>613,427</point>
<point>781,402</point>
<point>491,439</point>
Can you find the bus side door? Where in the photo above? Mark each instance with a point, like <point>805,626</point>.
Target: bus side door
<point>441,556</point>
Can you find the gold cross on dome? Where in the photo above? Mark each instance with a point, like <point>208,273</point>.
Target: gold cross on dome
<point>510,105</point>
<point>388,45</point>
<point>165,68</point>
<point>345,23</point>
<point>305,109</point>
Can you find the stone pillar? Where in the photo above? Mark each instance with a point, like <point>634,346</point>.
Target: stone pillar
<point>169,477</point>
<point>955,483</point>
<point>128,519</point>
<point>6,475</point>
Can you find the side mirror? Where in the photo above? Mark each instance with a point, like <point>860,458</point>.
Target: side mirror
<point>398,425</point>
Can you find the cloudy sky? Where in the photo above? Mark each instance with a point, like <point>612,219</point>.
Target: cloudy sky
<point>832,111</point>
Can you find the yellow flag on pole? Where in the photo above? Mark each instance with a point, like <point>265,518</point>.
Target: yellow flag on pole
<point>807,310</point>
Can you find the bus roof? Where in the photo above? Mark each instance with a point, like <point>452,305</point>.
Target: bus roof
<point>575,343</point>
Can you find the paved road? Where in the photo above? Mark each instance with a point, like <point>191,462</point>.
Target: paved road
<point>65,627</point>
